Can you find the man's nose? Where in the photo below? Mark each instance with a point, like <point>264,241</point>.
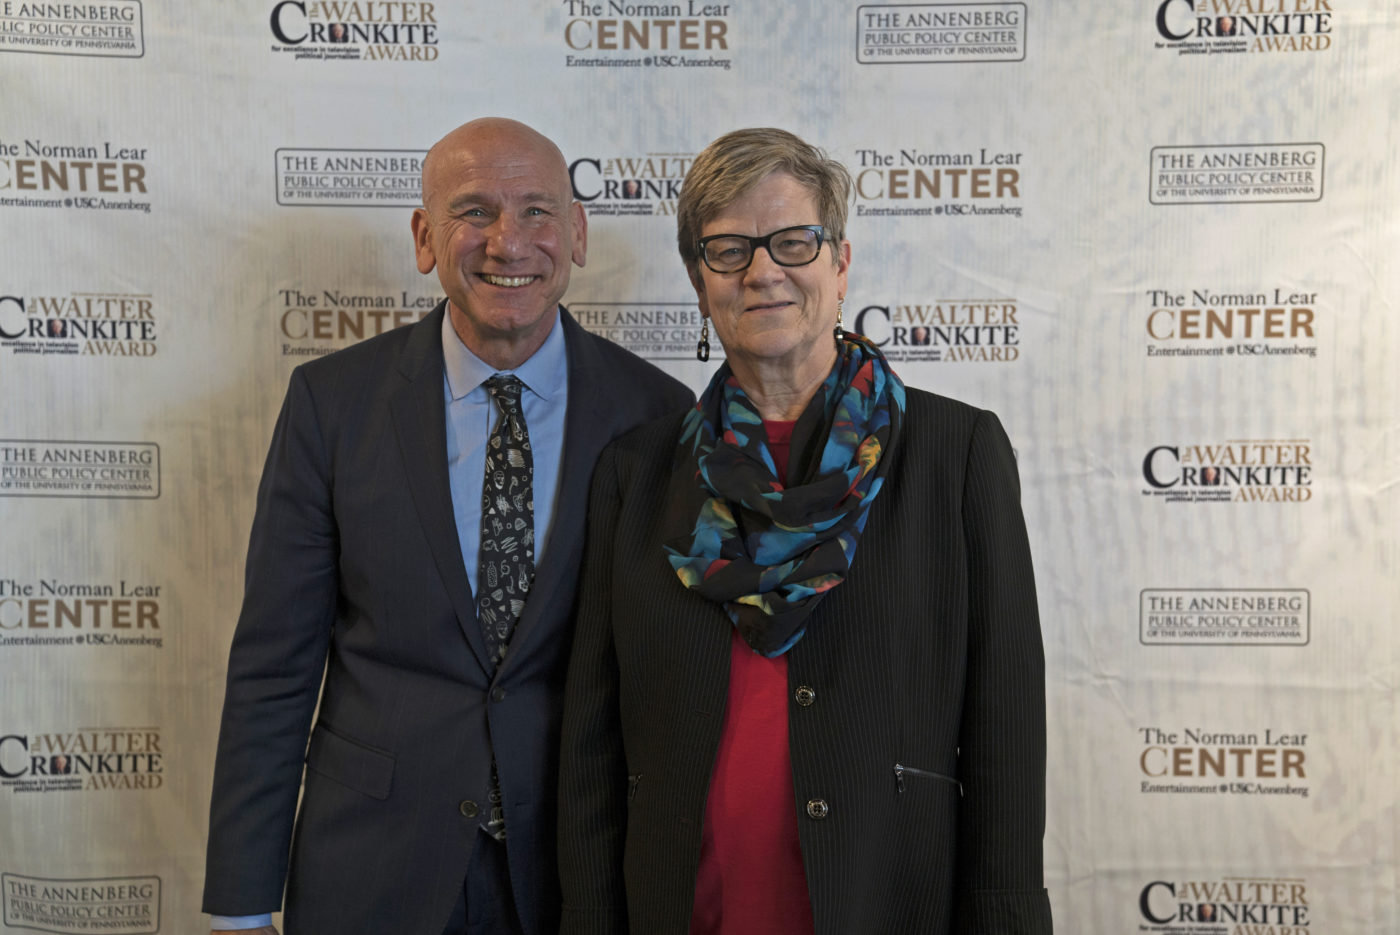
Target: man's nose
<point>506,237</point>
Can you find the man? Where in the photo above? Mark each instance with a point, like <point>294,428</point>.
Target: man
<point>430,788</point>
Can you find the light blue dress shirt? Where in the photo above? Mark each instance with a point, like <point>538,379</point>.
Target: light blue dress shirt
<point>471,417</point>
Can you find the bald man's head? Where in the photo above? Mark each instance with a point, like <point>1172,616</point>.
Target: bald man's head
<point>500,226</point>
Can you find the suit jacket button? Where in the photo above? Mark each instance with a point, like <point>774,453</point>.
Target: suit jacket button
<point>817,809</point>
<point>806,695</point>
<point>498,694</point>
<point>469,809</point>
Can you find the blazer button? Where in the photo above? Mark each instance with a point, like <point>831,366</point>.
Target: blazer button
<point>806,696</point>
<point>817,809</point>
<point>498,694</point>
<point>469,809</point>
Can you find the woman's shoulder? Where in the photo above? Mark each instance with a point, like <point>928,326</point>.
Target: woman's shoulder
<point>649,445</point>
<point>927,409</point>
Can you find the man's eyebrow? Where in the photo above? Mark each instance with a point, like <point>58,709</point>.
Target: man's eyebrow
<point>469,198</point>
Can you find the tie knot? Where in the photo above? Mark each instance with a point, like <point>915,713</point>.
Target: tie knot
<point>505,390</point>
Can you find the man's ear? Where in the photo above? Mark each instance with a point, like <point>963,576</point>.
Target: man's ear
<point>422,241</point>
<point>579,219</point>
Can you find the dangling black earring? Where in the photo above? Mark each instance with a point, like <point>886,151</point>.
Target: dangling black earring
<point>702,350</point>
<point>839,332</point>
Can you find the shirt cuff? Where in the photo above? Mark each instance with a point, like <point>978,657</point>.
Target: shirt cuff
<point>240,922</point>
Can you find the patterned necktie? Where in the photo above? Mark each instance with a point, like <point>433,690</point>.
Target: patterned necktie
<point>506,560</point>
<point>506,564</point>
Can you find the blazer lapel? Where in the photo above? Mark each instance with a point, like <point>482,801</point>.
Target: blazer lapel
<point>420,420</point>
<point>587,428</point>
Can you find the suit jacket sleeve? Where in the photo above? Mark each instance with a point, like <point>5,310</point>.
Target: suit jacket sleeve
<point>1001,760</point>
<point>593,767</point>
<point>275,666</point>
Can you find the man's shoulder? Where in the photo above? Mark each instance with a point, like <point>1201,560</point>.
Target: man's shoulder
<point>623,373</point>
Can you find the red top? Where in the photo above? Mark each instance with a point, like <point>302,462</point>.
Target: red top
<point>751,880</point>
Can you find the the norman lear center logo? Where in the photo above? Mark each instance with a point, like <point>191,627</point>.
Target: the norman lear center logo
<point>1249,173</point>
<point>356,30</point>
<point>53,612</point>
<point>647,184</point>
<point>112,905</point>
<point>1224,617</point>
<point>108,176</point>
<point>1210,27</point>
<point>1238,471</point>
<point>350,178</point>
<point>81,323</point>
<point>1233,905</point>
<point>909,181</point>
<point>653,330</point>
<point>944,330</point>
<point>312,323</point>
<point>89,759</point>
<point>1196,761</point>
<point>1241,325</point>
<point>918,33</point>
<point>110,29</point>
<point>614,34</point>
<point>31,468</point>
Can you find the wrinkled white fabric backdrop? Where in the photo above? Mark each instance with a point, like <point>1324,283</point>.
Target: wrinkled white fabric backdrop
<point>1100,186</point>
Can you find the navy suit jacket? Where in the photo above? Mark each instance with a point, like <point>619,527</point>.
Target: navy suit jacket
<point>356,591</point>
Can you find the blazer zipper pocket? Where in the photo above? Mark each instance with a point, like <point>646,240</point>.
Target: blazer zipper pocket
<point>900,771</point>
<point>632,783</point>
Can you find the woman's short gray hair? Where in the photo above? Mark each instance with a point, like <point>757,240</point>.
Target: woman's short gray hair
<point>733,164</point>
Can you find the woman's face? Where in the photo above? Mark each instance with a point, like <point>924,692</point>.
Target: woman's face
<point>774,318</point>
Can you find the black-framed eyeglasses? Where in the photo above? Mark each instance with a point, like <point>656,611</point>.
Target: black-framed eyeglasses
<point>791,246</point>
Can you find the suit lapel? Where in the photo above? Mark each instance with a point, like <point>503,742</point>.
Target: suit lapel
<point>420,421</point>
<point>587,428</point>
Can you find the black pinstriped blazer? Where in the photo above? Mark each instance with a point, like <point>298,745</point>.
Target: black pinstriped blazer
<point>928,657</point>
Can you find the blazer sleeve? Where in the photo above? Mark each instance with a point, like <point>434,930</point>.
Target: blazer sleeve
<point>275,666</point>
<point>1001,760</point>
<point>592,763</point>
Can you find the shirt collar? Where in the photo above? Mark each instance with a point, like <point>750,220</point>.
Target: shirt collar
<point>543,373</point>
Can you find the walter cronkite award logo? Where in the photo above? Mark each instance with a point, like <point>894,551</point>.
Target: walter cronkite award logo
<point>90,177</point>
<point>944,330</point>
<point>87,759</point>
<point>109,29</point>
<point>1233,471</point>
<point>644,184</point>
<point>356,30</point>
<point>914,182</point>
<point>665,36</point>
<point>1213,27</point>
<point>1231,324</point>
<point>315,322</point>
<point>1233,905</point>
<point>934,33</point>
<point>92,324</point>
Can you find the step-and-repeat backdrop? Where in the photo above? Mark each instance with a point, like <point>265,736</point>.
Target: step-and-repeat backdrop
<point>1158,237</point>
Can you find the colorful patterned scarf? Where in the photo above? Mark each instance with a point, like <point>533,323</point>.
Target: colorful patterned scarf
<point>769,552</point>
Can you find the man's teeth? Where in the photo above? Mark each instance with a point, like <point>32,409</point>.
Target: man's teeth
<point>511,281</point>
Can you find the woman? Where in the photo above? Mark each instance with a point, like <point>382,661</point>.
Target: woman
<point>807,691</point>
